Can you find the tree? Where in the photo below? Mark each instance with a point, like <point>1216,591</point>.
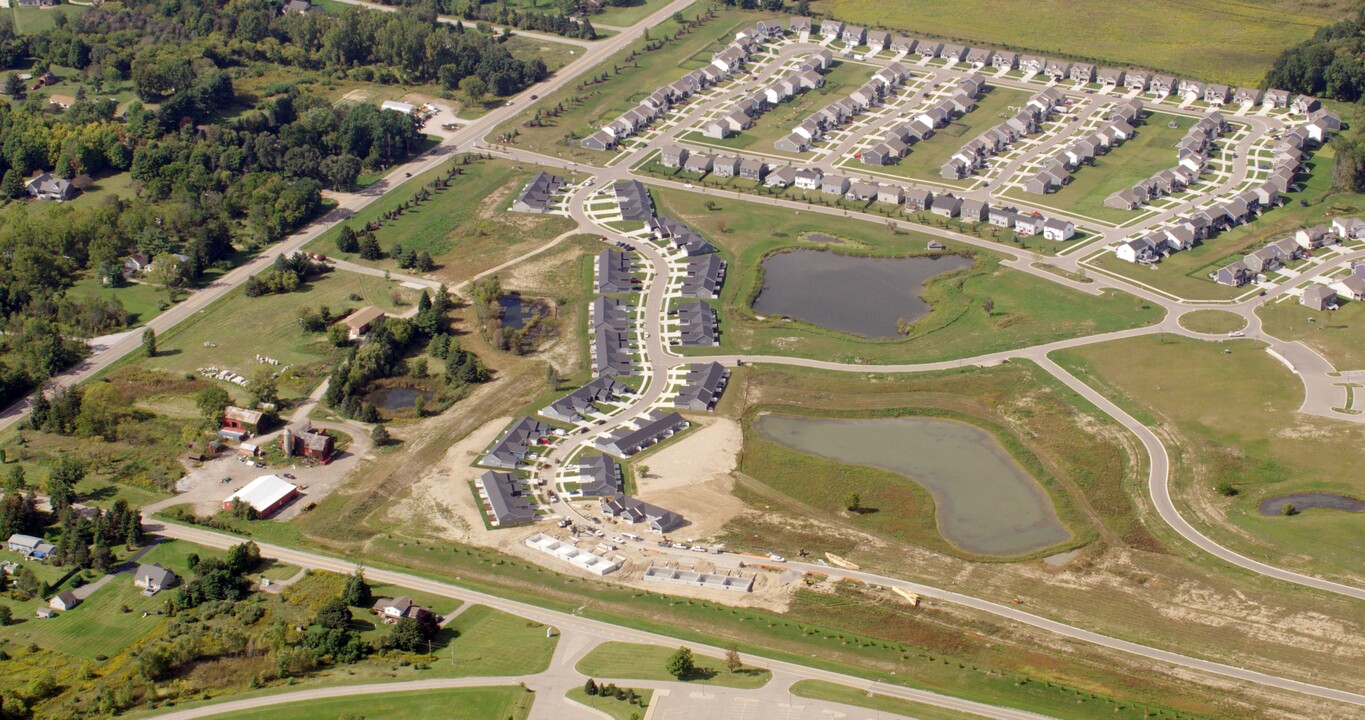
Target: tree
<point>261,386</point>
<point>988,306</point>
<point>101,407</point>
<point>474,88</point>
<point>590,688</point>
<point>61,484</point>
<point>357,592</point>
<point>680,665</point>
<point>242,557</point>
<point>14,87</point>
<point>15,479</point>
<point>149,342</point>
<point>732,660</point>
<point>407,635</point>
<point>346,240</point>
<point>334,615</point>
<point>212,401</point>
<point>853,502</point>
<point>6,616</point>
<point>380,436</point>
<point>369,248</point>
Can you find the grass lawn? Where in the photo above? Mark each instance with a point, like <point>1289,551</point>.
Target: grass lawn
<point>618,16</point>
<point>1212,321</point>
<point>140,299</point>
<point>821,690</point>
<point>174,555</point>
<point>841,79</point>
<point>1186,274</point>
<point>232,331</point>
<point>483,703</point>
<point>1151,150</point>
<point>554,55</point>
<point>631,661</point>
<point>927,156</point>
<point>31,21</point>
<point>1337,335</point>
<point>1208,39</point>
<point>614,708</point>
<point>1255,442</point>
<point>492,642</point>
<point>1027,310</point>
<point>587,108</point>
<point>466,227</point>
<point>96,627</point>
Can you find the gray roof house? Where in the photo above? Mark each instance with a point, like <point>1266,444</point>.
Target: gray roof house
<point>834,184</point>
<point>705,275</point>
<point>46,187</point>
<point>973,210</point>
<point>614,272</point>
<point>512,447</point>
<point>946,205</point>
<point>673,156</point>
<point>575,406</point>
<point>702,387</point>
<point>505,499</point>
<point>600,476</point>
<point>1319,297</point>
<point>634,200</point>
<point>652,428</point>
<point>752,168</point>
<point>697,324</point>
<point>153,578</point>
<point>637,511</point>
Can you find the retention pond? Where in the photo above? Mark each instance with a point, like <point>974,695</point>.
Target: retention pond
<point>985,502</point>
<point>1310,501</point>
<point>865,296</point>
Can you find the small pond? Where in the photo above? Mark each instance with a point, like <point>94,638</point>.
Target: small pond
<point>516,310</point>
<point>861,295</point>
<point>985,502</point>
<point>396,398</point>
<point>823,238</point>
<point>1309,501</point>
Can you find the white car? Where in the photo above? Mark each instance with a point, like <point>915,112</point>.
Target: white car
<point>776,558</point>
<point>687,185</point>
<point>1236,333</point>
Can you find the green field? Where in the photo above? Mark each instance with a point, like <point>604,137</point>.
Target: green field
<point>1151,150</point>
<point>143,300</point>
<point>1212,321</point>
<point>232,331</point>
<point>590,107</point>
<point>1225,42</point>
<point>624,15</point>
<point>927,156</point>
<point>492,642</point>
<point>97,627</point>
<point>630,661</point>
<point>1027,310</point>
<point>484,703</point>
<point>616,709</point>
<point>1255,442</point>
<point>30,21</point>
<point>821,690</point>
<point>554,55</point>
<point>466,227</point>
<point>1337,335</point>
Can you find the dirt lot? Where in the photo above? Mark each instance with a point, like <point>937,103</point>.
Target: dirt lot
<point>692,477</point>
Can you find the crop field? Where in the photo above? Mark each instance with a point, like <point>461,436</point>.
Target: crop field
<point>466,227</point>
<point>1229,42</point>
<point>1151,150</point>
<point>1024,310</point>
<point>1254,442</point>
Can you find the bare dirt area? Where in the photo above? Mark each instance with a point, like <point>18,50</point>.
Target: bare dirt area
<point>693,477</point>
<point>440,500</point>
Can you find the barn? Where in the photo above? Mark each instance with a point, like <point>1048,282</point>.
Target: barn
<point>267,494</point>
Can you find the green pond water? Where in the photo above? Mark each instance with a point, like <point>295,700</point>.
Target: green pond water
<point>985,502</point>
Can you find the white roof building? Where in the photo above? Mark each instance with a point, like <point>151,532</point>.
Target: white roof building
<point>266,494</point>
<point>396,106</point>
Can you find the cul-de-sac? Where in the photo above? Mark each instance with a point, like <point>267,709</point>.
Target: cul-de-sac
<point>682,359</point>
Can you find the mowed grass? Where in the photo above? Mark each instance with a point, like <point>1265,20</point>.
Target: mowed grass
<point>481,703</point>
<point>492,642</point>
<point>821,690</point>
<point>31,21</point>
<point>1337,335</point>
<point>141,299</point>
<point>619,16</point>
<point>1026,310</point>
<point>96,627</point>
<point>1186,274</point>
<point>1234,415</point>
<point>467,227</point>
<point>554,55</point>
<point>1212,321</point>
<point>614,708</point>
<point>590,107</point>
<point>1151,150</point>
<point>1227,42</point>
<point>232,331</point>
<point>927,156</point>
<point>631,661</point>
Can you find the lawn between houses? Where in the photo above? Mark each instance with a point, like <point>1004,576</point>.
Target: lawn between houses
<point>1026,310</point>
<point>1205,39</point>
<point>466,227</point>
<point>1254,442</point>
<point>927,156</point>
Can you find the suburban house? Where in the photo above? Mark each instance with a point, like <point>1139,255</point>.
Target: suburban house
<point>46,187</point>
<point>781,177</point>
<point>1162,85</point>
<point>1354,286</point>
<point>1314,237</point>
<point>1032,64</point>
<point>600,140</point>
<point>632,197</point>
<point>903,45</point>
<point>834,184</point>
<point>1348,227</point>
<point>1005,60</point>
<point>725,166</point>
<point>854,35</point>
<point>1235,274</point>
<point>697,324</point>
<point>860,191</point>
<point>946,205</point>
<point>1275,99</point>
<point>309,442</point>
<point>1110,76</point>
<point>1026,224</point>
<point>1140,250</point>
<point>153,578</point>
<point>359,322</point>
<point>241,421</point>
<point>1247,96</point>
<point>1136,80</point>
<point>702,387</point>
<point>673,156</point>
<point>1304,104</point>
<point>973,211</point>
<point>513,446</point>
<point>600,476</point>
<point>918,199</point>
<point>1217,95</point>
<point>266,494</point>
<point>1082,73</point>
<point>391,610</point>
<point>878,40</point>
<point>30,546</point>
<point>698,163</point>
<point>577,405</point>
<point>795,142</point>
<point>1319,297</point>
<point>636,511</point>
<point>650,429</point>
<point>505,499</point>
<point>1003,217</point>
<point>64,600</point>
<point>831,28</point>
<point>929,48</point>
<point>1055,229</point>
<point>535,197</point>
<point>615,272</point>
<point>893,194</point>
<point>800,25</point>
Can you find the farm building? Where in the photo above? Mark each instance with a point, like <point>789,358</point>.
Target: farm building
<point>267,494</point>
